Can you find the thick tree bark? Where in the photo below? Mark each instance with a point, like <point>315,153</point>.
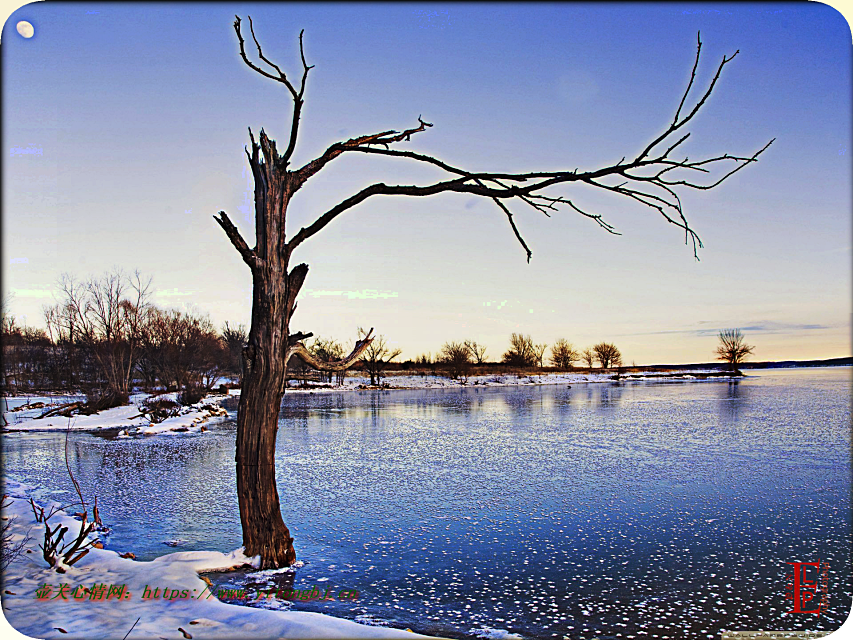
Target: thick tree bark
<point>265,370</point>
<point>265,357</point>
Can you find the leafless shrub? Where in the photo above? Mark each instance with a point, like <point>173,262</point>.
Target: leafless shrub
<point>9,550</point>
<point>102,399</point>
<point>158,409</point>
<point>192,393</point>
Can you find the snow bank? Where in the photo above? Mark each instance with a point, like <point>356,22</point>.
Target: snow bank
<point>130,418</point>
<point>186,609</point>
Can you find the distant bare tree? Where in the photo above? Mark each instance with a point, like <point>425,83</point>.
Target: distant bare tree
<point>183,351</point>
<point>425,359</point>
<point>106,316</point>
<point>477,351</point>
<point>377,356</point>
<point>733,348</point>
<point>456,356</point>
<point>607,354</point>
<point>563,354</point>
<point>588,356</point>
<point>539,354</point>
<point>522,351</point>
<point>235,339</point>
<point>327,350</point>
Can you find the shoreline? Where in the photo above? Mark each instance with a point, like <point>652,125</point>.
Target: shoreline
<point>132,421</point>
<point>194,609</point>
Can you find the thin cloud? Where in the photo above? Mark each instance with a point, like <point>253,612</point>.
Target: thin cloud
<point>757,327</point>
<point>32,293</point>
<point>364,294</point>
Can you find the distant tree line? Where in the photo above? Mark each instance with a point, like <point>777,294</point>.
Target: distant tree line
<point>104,337</point>
<point>457,359</point>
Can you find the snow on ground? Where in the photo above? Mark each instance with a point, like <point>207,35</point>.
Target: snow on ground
<point>396,381</point>
<point>184,607</point>
<point>133,422</point>
<point>130,418</point>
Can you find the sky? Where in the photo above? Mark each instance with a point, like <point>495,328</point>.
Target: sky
<point>124,127</point>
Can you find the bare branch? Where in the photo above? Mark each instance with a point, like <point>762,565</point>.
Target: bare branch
<point>282,78</point>
<point>249,256</point>
<point>245,57</point>
<point>676,124</point>
<point>529,187</point>
<point>308,358</point>
<point>361,143</point>
<point>514,228</point>
<point>692,76</point>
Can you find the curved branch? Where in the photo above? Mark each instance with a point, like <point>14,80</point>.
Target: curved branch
<point>299,349</point>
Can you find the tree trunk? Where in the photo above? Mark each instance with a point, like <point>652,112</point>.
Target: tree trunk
<point>270,346</point>
<point>265,367</point>
<point>265,372</point>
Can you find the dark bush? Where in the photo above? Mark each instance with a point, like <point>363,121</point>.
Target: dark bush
<point>159,409</point>
<point>192,394</point>
<point>103,399</point>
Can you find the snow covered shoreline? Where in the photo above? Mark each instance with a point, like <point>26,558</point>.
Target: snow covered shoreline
<point>132,421</point>
<point>96,613</point>
<point>391,381</point>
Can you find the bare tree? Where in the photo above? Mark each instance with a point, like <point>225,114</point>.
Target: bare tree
<point>183,351</point>
<point>588,356</point>
<point>521,352</point>
<point>607,354</point>
<point>477,351</point>
<point>456,356</point>
<point>376,356</point>
<point>539,354</point>
<point>328,350</point>
<point>652,177</point>
<point>235,340</point>
<point>563,354</point>
<point>105,315</point>
<point>733,348</point>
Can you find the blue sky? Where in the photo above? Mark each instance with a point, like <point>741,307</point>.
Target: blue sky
<point>124,127</point>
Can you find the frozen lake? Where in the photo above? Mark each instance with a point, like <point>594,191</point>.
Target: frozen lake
<point>641,509</point>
